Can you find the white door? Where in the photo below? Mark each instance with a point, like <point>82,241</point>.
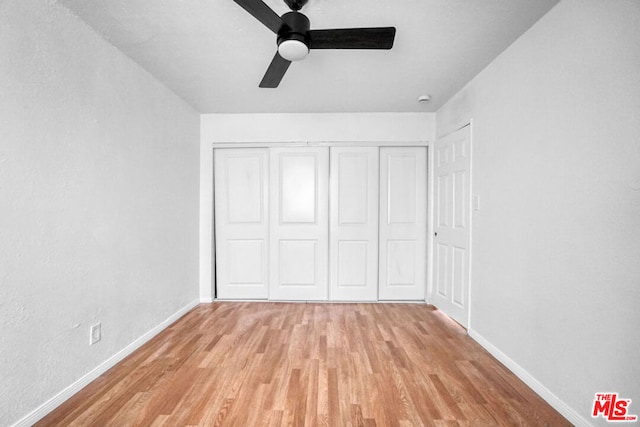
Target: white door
<point>299,230</point>
<point>452,233</point>
<point>353,249</point>
<point>403,223</point>
<point>241,222</point>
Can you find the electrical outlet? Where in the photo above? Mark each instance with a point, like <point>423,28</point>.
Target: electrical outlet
<point>95,333</point>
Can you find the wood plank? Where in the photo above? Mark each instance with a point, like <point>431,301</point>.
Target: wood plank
<point>273,364</point>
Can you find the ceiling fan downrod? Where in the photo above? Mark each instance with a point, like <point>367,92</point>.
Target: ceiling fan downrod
<point>295,4</point>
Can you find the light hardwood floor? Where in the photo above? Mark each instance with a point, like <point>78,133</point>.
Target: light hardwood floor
<point>272,364</point>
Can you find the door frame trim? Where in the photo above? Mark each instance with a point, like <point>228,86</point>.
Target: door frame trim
<point>321,144</point>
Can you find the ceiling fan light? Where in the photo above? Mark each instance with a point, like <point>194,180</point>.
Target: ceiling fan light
<point>293,50</point>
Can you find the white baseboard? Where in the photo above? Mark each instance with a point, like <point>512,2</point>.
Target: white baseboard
<point>569,413</point>
<point>65,394</point>
<point>418,301</point>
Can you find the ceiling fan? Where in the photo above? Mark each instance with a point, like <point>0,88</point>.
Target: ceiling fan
<point>295,38</point>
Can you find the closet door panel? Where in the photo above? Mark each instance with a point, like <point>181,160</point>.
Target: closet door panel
<point>299,223</point>
<point>354,224</point>
<point>403,223</point>
<point>241,223</point>
<point>298,189</point>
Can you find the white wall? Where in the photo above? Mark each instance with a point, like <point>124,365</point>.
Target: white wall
<point>98,202</point>
<point>265,128</point>
<point>556,244</point>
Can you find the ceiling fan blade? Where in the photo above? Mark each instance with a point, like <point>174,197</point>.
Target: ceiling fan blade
<point>275,72</point>
<point>352,38</point>
<point>262,13</point>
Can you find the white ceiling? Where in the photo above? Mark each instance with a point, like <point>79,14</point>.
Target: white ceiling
<point>213,54</point>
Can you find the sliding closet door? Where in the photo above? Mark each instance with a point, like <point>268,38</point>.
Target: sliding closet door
<point>403,223</point>
<point>353,251</point>
<point>241,222</point>
<point>299,223</point>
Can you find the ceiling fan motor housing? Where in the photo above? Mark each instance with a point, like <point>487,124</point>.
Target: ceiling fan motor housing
<point>296,27</point>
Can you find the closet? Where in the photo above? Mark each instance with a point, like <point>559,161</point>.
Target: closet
<point>314,223</point>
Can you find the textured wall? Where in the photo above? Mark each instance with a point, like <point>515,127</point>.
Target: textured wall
<point>556,244</point>
<point>98,202</point>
